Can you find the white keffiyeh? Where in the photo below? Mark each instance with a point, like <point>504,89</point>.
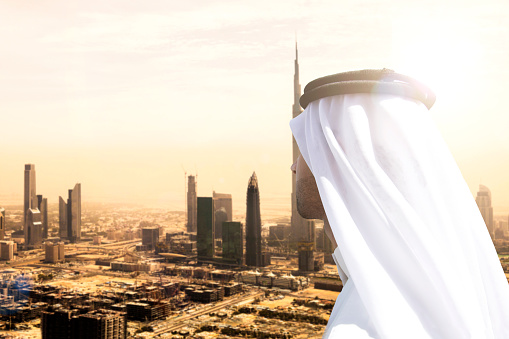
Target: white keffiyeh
<point>412,246</point>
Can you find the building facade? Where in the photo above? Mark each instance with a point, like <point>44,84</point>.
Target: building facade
<point>223,209</point>
<point>220,216</point>
<point>69,218</point>
<point>98,324</point>
<point>74,214</point>
<point>29,198</point>
<point>150,237</point>
<point>303,231</point>
<point>62,218</point>
<point>54,252</point>
<point>233,238</point>
<point>205,228</point>
<point>6,250</point>
<point>2,223</point>
<point>42,204</point>
<point>33,228</point>
<point>253,224</point>
<point>483,201</point>
<point>191,204</point>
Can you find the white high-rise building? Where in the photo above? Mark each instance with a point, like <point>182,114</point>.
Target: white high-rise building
<point>483,201</point>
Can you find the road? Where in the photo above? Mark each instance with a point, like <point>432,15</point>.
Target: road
<point>178,322</point>
<point>73,249</point>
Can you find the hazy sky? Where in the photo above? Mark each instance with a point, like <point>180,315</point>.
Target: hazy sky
<point>124,96</point>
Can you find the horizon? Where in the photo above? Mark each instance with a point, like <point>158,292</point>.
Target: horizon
<point>126,99</point>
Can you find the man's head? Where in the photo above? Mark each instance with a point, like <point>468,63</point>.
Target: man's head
<point>309,203</point>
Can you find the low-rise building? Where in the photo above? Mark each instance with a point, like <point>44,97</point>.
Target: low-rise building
<point>6,250</point>
<point>54,252</point>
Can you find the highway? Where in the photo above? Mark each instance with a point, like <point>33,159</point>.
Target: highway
<point>120,247</point>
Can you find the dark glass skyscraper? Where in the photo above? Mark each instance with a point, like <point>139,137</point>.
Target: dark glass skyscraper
<point>220,216</point>
<point>253,224</point>
<point>205,224</point>
<point>223,211</point>
<point>232,241</point>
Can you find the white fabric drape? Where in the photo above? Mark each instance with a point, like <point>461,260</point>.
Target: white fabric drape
<point>411,241</point>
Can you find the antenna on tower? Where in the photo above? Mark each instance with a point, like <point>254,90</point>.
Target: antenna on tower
<point>296,49</point>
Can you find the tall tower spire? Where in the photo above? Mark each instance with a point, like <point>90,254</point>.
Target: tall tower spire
<point>296,88</point>
<point>296,220</point>
<point>303,231</point>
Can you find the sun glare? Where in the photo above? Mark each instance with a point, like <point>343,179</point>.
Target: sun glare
<point>443,58</point>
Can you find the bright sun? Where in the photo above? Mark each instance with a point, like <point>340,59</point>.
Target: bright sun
<point>441,57</point>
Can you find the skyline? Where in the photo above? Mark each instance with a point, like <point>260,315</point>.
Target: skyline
<point>126,98</point>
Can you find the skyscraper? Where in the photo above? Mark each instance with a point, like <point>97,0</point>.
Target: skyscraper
<point>303,231</point>
<point>42,204</point>
<point>222,210</point>
<point>62,218</point>
<point>29,197</point>
<point>70,215</point>
<point>232,241</point>
<point>205,228</point>
<point>191,203</point>
<point>2,223</point>
<point>220,216</point>
<point>150,237</point>
<point>33,228</point>
<point>74,214</point>
<point>253,224</point>
<point>483,201</point>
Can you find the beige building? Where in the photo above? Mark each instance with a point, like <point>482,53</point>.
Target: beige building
<point>483,201</point>
<point>6,250</point>
<point>55,252</point>
<point>191,203</point>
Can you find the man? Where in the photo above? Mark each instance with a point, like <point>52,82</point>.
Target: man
<point>413,251</point>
